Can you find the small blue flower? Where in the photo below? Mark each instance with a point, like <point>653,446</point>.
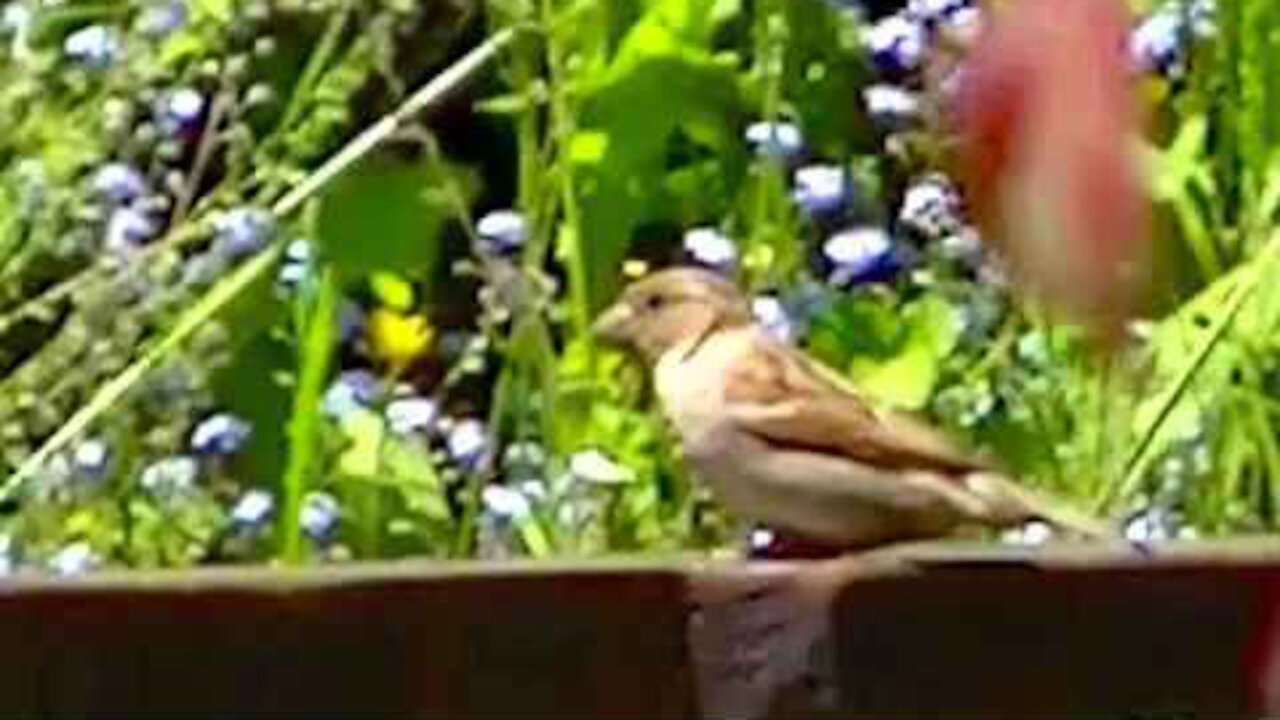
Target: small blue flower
<point>964,22</point>
<point>296,268</point>
<point>772,315</point>
<point>1152,524</point>
<point>409,415</point>
<point>292,275</point>
<point>252,511</point>
<point>299,251</point>
<point>162,18</point>
<point>353,390</point>
<point>243,231</point>
<point>119,183</point>
<point>75,559</point>
<point>467,442</point>
<point>179,111</point>
<point>897,44</point>
<point>170,477</point>
<point>127,230</point>
<point>710,247</point>
<point>96,46</point>
<point>320,517</point>
<point>858,255</point>
<point>890,106</point>
<point>822,190</point>
<point>931,208</point>
<point>1159,44</point>
<point>503,231</point>
<point>780,140</point>
<point>220,434</point>
<point>524,459</point>
<point>1202,16</point>
<point>91,459</point>
<point>935,12</point>
<point>506,503</point>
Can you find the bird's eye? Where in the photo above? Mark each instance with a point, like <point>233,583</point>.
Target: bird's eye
<point>654,302</point>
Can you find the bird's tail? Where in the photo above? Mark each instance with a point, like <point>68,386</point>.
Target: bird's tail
<point>1012,504</point>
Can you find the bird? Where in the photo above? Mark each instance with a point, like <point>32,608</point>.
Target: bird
<point>786,442</point>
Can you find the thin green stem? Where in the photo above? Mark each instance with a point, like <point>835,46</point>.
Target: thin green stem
<point>563,128</point>
<point>314,355</point>
<point>769,58</point>
<point>1140,458</point>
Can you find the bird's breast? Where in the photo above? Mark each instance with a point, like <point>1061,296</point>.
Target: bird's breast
<point>691,386</point>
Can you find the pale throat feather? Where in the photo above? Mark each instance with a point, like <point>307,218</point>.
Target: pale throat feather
<point>689,379</point>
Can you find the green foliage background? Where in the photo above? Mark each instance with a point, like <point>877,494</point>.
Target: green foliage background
<point>611,125</point>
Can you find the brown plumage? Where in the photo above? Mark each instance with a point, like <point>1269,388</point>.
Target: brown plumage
<point>784,441</point>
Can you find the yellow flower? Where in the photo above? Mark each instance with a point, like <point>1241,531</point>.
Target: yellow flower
<point>398,339</point>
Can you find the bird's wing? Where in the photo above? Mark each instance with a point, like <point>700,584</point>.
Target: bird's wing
<point>783,397</point>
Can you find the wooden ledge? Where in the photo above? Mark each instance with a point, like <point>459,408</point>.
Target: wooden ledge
<point>929,630</point>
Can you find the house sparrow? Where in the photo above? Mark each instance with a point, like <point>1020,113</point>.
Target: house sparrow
<point>785,442</point>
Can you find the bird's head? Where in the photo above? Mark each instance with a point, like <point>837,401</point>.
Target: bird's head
<point>669,307</point>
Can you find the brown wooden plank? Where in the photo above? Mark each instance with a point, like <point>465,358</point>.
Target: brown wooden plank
<point>923,631</point>
<point>582,645</point>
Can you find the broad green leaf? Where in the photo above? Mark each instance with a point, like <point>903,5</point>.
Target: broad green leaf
<point>907,378</point>
<point>364,431</point>
<point>588,147</point>
<point>410,468</point>
<point>663,82</point>
<point>1172,169</point>
<point>893,354</point>
<point>384,215</point>
<point>825,70</point>
<point>859,325</point>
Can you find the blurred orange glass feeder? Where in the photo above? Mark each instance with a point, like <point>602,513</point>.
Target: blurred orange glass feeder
<point>1047,114</point>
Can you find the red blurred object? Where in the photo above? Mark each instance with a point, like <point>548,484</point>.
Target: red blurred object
<point>1048,113</point>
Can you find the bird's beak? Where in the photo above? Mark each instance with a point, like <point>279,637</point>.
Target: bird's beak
<point>614,325</point>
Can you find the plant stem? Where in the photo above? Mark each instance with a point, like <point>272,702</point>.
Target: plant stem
<point>314,353</point>
<point>563,128</point>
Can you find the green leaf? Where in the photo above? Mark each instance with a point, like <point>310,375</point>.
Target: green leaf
<point>663,84</point>
<point>221,11</point>
<point>857,325</point>
<point>364,430</point>
<point>181,46</point>
<point>588,147</point>
<point>382,215</point>
<point>1171,170</point>
<point>416,479</point>
<point>893,355</point>
<point>825,71</point>
<point>907,378</point>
